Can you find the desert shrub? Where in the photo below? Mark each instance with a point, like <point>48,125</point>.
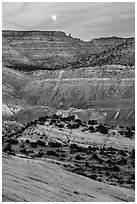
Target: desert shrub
<point>123,161</point>
<point>121,181</point>
<point>133,163</point>
<point>55,144</point>
<point>75,125</point>
<point>129,133</point>
<point>133,128</point>
<point>41,122</point>
<point>107,173</point>
<point>61,150</point>
<point>101,152</point>
<point>22,145</point>
<point>109,161</point>
<point>129,181</point>
<point>82,149</point>
<point>107,168</point>
<point>112,149</point>
<point>33,144</point>
<point>65,165</point>
<point>53,121</point>
<point>95,156</point>
<point>61,158</point>
<point>27,141</point>
<point>12,141</point>
<point>115,168</point>
<point>60,125</point>
<point>50,123</point>
<point>132,154</point>
<point>7,148</point>
<point>40,154</point>
<point>63,155</point>
<point>87,164</point>
<point>42,119</point>
<point>100,160</point>
<point>99,179</point>
<point>54,116</point>
<point>118,162</point>
<point>69,126</point>
<point>78,157</point>
<point>102,129</point>
<point>23,150</point>
<point>12,153</point>
<point>121,132</point>
<point>93,176</point>
<point>92,148</point>
<point>92,122</point>
<point>122,152</point>
<point>91,128</point>
<point>74,146</point>
<point>52,153</point>
<point>132,176</point>
<point>30,151</point>
<point>41,143</point>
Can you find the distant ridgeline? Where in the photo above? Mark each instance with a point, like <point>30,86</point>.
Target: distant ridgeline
<point>33,50</point>
<point>18,34</point>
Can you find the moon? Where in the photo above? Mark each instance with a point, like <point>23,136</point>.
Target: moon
<point>54,17</point>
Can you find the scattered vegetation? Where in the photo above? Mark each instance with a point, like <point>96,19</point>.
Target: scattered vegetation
<point>101,163</point>
<point>52,153</point>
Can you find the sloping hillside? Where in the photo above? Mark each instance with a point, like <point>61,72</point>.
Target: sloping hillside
<point>93,83</point>
<point>26,180</point>
<point>50,68</point>
<point>32,50</point>
<point>107,89</point>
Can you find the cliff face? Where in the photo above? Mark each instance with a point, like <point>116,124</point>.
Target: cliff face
<point>49,49</point>
<point>63,72</point>
<point>29,50</point>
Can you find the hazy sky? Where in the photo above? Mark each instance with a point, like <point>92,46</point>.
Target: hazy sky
<point>82,20</point>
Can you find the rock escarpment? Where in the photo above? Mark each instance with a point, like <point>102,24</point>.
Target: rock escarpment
<point>63,72</point>
<point>29,50</point>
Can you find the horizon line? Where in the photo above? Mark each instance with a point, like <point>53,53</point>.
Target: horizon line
<point>103,37</point>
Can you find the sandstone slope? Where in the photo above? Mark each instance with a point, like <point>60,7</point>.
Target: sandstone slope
<point>26,180</point>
